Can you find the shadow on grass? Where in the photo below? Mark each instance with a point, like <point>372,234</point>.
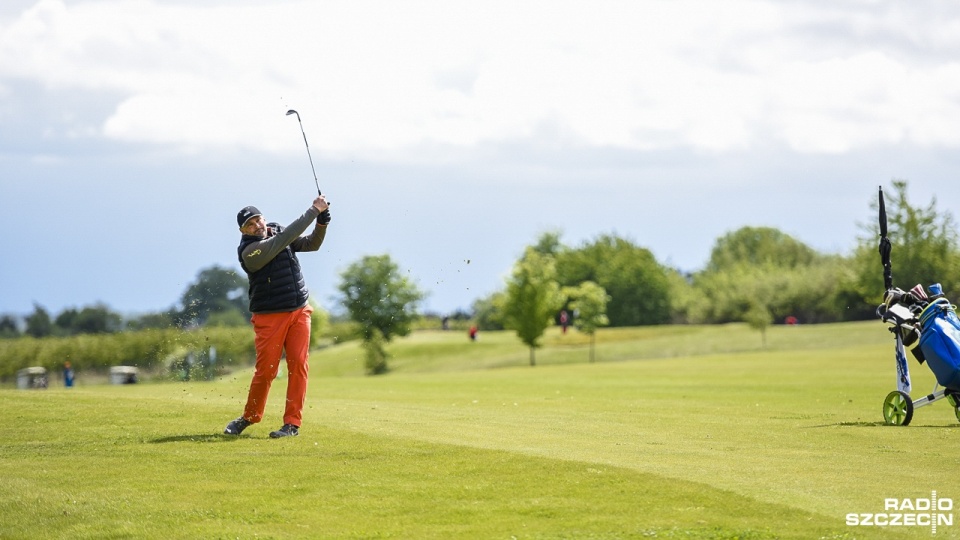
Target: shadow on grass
<point>201,438</point>
<point>882,424</point>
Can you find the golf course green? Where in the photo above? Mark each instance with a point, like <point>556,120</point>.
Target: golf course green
<point>674,432</point>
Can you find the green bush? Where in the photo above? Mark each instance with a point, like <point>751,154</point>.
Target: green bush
<point>340,331</point>
<point>153,350</point>
<point>375,354</point>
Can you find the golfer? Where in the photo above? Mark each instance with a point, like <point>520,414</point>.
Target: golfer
<point>281,312</point>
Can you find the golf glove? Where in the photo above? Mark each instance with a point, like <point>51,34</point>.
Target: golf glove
<point>324,217</point>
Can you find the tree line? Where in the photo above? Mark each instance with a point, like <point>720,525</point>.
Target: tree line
<point>216,298</point>
<point>758,275</point>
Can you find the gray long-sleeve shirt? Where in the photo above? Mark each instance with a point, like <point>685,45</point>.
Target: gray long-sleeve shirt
<point>257,254</point>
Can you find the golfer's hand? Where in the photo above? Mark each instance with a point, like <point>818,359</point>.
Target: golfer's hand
<point>320,203</point>
<point>324,217</point>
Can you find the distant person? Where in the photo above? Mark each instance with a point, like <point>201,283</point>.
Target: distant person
<point>473,333</point>
<point>280,307</point>
<point>564,320</point>
<point>67,374</point>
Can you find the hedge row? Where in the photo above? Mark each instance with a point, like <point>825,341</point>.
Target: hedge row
<point>147,349</point>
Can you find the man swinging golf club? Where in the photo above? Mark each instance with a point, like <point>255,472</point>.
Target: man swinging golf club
<point>281,312</point>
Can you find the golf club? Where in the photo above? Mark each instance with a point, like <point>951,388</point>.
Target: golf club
<point>291,111</point>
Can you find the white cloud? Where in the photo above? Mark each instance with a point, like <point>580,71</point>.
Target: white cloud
<point>373,78</point>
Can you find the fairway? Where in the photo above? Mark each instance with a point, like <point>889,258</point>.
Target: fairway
<point>677,432</point>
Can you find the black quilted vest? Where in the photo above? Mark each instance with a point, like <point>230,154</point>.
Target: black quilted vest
<point>278,286</point>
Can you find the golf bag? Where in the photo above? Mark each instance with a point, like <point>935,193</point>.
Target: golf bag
<point>930,328</point>
<point>940,342</point>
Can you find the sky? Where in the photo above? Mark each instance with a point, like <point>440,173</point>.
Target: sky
<point>451,134</point>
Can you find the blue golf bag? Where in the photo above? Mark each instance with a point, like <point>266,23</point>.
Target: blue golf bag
<point>940,342</point>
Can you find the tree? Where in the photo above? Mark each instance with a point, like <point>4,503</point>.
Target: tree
<point>683,296</point>
<point>165,319</point>
<point>39,323</point>
<point>769,275</point>
<point>590,304</point>
<point>532,298</point>
<point>759,318</point>
<point>486,311</point>
<point>924,247</point>
<point>66,321</point>
<point>216,290</point>
<point>637,284</point>
<point>9,327</point>
<point>757,246</point>
<point>381,300</point>
<point>375,354</point>
<point>97,319</point>
<point>549,244</point>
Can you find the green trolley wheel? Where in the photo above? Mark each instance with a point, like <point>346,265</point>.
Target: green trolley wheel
<point>954,399</point>
<point>898,409</point>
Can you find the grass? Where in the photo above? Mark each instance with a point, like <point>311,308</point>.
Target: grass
<point>438,351</point>
<point>676,432</point>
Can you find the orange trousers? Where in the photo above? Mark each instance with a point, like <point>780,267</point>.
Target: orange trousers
<point>276,333</point>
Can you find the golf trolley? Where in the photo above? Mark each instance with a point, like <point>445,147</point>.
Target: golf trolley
<point>929,326</point>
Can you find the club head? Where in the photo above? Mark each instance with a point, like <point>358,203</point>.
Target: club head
<point>291,111</point>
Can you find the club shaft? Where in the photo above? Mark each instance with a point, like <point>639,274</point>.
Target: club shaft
<point>307,144</point>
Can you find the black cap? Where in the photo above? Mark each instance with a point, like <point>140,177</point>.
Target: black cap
<point>247,213</point>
